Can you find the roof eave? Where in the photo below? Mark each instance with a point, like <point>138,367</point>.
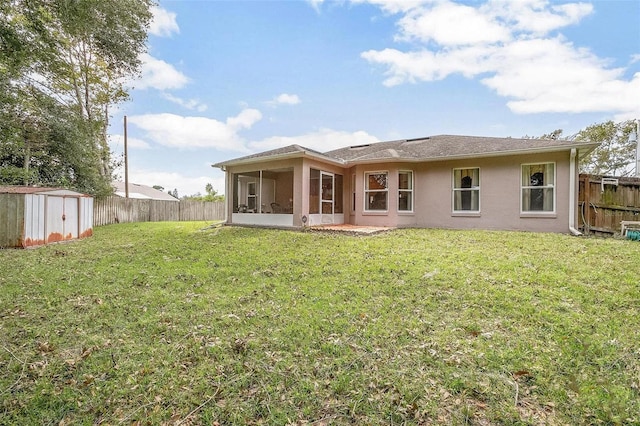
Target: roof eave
<point>277,157</point>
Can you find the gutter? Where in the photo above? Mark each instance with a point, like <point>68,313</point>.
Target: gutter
<point>572,194</point>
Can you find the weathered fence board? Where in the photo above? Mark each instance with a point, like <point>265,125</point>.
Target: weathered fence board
<point>125,210</point>
<point>604,206</point>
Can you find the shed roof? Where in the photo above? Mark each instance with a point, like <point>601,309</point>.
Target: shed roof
<point>39,190</point>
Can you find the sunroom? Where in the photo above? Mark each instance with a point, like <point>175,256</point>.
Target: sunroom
<point>263,197</point>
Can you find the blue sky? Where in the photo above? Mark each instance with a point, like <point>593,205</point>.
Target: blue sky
<point>223,79</point>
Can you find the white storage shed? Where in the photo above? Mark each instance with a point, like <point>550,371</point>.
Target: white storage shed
<point>32,216</point>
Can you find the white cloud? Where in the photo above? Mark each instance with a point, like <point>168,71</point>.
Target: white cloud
<point>116,142</point>
<point>395,6</point>
<point>286,99</point>
<point>536,16</point>
<point>191,104</point>
<point>247,118</point>
<point>315,4</point>
<point>197,132</point>
<point>507,46</point>
<point>451,24</point>
<point>322,140</point>
<point>163,23</point>
<point>158,74</point>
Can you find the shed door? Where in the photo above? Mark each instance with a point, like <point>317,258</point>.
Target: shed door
<point>55,224</point>
<point>70,218</point>
<point>62,218</point>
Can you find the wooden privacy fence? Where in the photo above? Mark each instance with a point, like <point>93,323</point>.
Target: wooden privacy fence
<point>606,201</point>
<point>123,210</point>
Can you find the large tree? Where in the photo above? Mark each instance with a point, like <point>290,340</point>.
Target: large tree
<point>616,154</point>
<point>63,65</point>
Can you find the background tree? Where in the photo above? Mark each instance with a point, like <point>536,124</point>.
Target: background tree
<point>63,64</point>
<point>211,195</point>
<point>616,154</point>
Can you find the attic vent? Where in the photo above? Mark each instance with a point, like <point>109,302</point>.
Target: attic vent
<point>360,146</point>
<point>415,141</point>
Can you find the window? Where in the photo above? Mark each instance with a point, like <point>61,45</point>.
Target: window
<point>466,190</point>
<point>405,191</point>
<point>375,191</point>
<point>538,187</point>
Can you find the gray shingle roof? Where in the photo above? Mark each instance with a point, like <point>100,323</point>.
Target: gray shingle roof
<point>290,150</point>
<point>141,192</point>
<point>433,148</point>
<point>448,147</point>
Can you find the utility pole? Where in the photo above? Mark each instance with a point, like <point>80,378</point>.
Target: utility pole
<point>126,161</point>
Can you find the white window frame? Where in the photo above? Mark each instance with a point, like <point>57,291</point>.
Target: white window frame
<point>368,191</point>
<point>410,191</point>
<point>547,186</point>
<point>455,190</point>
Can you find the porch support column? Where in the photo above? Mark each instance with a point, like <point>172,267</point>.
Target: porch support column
<point>229,196</point>
<point>259,206</point>
<point>300,193</point>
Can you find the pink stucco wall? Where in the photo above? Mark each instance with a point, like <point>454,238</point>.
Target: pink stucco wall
<point>499,195</point>
<point>500,198</point>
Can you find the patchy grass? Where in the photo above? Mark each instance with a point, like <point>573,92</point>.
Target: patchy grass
<point>172,323</point>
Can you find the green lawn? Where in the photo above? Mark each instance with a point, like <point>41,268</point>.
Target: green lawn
<point>180,324</point>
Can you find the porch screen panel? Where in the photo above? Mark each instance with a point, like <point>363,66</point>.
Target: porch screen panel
<point>235,192</point>
<point>338,194</point>
<point>314,191</point>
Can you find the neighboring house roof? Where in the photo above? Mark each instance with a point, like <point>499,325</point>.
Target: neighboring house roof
<point>434,148</point>
<point>39,190</point>
<point>141,192</point>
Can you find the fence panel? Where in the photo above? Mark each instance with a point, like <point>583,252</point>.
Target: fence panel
<point>162,211</point>
<point>125,210</point>
<point>605,203</point>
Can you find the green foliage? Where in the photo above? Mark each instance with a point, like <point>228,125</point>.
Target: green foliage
<point>212,195</point>
<point>616,154</point>
<point>62,67</point>
<point>185,323</point>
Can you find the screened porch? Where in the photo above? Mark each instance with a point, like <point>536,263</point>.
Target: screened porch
<point>263,197</point>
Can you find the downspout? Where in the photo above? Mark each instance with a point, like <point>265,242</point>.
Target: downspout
<point>572,194</point>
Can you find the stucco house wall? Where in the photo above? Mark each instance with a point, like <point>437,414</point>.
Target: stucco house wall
<point>432,163</point>
<point>500,195</point>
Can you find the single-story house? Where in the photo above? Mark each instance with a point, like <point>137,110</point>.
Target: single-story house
<point>141,192</point>
<point>445,181</point>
